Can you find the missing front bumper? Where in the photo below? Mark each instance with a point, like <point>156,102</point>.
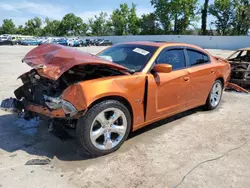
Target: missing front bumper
<point>15,106</point>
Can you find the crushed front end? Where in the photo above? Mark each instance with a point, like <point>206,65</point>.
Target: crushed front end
<point>40,96</point>
<point>50,88</point>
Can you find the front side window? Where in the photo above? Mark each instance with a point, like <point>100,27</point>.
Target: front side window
<point>131,56</point>
<point>197,58</point>
<point>173,57</point>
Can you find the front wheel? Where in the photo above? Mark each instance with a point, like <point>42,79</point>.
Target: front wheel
<point>215,95</point>
<point>104,128</point>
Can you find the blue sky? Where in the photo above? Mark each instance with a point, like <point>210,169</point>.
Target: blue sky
<point>22,10</point>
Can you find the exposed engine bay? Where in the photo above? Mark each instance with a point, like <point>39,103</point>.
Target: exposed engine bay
<point>240,67</point>
<point>42,91</point>
<point>240,70</point>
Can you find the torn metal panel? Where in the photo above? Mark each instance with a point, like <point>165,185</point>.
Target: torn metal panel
<point>236,87</point>
<point>52,60</point>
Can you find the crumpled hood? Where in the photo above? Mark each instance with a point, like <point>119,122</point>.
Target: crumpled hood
<point>52,60</point>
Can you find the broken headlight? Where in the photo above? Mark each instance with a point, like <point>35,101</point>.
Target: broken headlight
<point>53,103</point>
<point>56,103</point>
<point>68,108</point>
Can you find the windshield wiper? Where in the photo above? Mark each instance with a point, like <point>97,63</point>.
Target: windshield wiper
<point>131,71</point>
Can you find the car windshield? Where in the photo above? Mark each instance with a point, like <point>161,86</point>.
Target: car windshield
<point>131,56</point>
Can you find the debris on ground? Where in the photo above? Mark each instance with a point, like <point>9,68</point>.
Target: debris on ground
<point>13,155</point>
<point>38,162</point>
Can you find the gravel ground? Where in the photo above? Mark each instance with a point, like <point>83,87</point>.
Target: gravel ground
<point>193,149</point>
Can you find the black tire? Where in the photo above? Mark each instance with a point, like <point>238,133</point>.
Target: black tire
<point>209,105</point>
<point>84,123</point>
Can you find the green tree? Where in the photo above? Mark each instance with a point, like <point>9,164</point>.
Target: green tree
<point>125,21</point>
<point>163,12</point>
<point>51,28</point>
<point>100,25</point>
<point>241,20</point>
<point>20,30</point>
<point>204,12</point>
<point>179,12</point>
<point>119,19</point>
<point>33,27</point>
<point>223,11</point>
<point>184,12</point>
<point>8,27</point>
<point>149,25</point>
<point>133,21</point>
<point>72,25</point>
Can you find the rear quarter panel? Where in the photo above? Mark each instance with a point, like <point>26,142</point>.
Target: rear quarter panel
<point>222,69</point>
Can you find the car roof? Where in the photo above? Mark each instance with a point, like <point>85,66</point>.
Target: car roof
<point>248,48</point>
<point>164,44</point>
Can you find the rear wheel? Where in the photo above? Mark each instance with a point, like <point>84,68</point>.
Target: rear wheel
<point>215,95</point>
<point>104,128</point>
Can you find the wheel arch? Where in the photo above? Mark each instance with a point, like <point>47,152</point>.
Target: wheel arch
<point>222,80</point>
<point>121,99</point>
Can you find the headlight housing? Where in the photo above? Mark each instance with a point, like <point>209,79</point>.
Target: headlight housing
<point>68,108</point>
<point>56,103</point>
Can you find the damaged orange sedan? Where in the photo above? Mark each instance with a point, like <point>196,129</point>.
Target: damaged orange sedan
<point>119,90</point>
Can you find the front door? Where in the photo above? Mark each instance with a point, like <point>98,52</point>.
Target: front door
<point>168,93</point>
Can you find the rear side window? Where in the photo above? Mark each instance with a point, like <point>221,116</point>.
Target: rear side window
<point>173,57</point>
<point>197,58</point>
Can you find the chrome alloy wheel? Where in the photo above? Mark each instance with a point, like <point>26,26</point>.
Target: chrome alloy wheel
<point>108,128</point>
<point>215,95</point>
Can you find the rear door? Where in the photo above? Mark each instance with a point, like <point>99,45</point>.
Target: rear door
<point>201,74</point>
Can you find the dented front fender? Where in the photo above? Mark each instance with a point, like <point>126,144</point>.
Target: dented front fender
<point>85,93</point>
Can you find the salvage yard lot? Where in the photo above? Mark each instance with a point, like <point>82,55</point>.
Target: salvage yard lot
<point>160,155</point>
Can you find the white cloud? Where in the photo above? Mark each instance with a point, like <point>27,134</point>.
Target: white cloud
<point>42,9</point>
<point>22,11</point>
<point>8,7</point>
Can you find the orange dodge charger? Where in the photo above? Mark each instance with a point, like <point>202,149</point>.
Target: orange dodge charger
<point>121,89</point>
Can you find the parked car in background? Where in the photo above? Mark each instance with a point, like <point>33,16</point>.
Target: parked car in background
<point>83,42</point>
<point>2,38</point>
<point>62,41</point>
<point>75,42</point>
<point>90,42</point>
<point>103,43</point>
<point>15,40</point>
<point>96,41</point>
<point>121,89</point>
<point>28,42</point>
<point>47,41</point>
<point>6,42</point>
